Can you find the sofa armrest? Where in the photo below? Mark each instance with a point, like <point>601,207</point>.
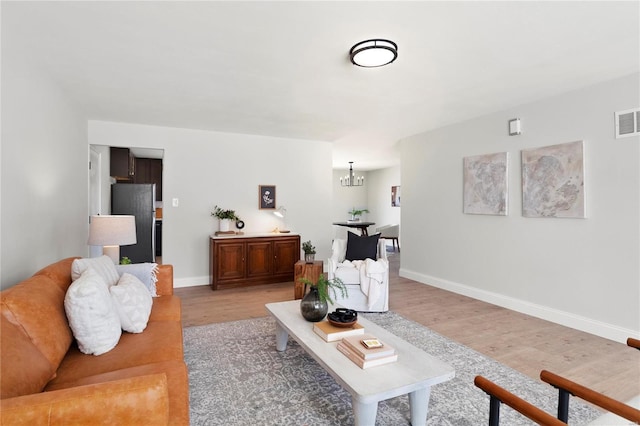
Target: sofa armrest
<point>164,285</point>
<point>136,400</point>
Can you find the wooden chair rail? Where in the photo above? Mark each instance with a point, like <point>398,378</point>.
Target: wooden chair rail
<point>499,394</point>
<point>596,398</point>
<point>634,343</point>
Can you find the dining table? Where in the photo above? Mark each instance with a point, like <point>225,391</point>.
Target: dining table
<point>362,226</point>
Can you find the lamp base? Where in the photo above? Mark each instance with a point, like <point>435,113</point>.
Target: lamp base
<point>113,252</point>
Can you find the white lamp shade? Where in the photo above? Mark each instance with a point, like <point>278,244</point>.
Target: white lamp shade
<point>112,230</point>
<point>281,212</point>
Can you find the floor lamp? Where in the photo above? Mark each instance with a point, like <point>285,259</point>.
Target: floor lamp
<point>111,232</point>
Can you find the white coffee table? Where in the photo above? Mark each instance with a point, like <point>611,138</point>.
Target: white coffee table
<point>414,373</point>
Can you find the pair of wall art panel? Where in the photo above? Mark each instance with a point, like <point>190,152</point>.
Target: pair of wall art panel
<point>552,182</point>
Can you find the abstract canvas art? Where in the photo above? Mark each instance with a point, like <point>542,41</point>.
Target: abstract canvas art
<point>395,196</point>
<point>485,184</point>
<point>553,181</point>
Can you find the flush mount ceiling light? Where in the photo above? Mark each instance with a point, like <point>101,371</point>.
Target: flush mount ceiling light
<point>373,53</point>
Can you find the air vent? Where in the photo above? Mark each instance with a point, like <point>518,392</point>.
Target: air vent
<point>628,123</point>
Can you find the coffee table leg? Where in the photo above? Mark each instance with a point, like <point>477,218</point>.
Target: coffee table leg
<point>365,414</point>
<point>281,337</point>
<point>419,403</point>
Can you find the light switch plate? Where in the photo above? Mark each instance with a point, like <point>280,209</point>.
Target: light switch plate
<point>514,127</point>
<point>175,202</point>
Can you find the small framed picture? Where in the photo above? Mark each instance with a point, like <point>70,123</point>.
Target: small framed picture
<point>395,196</point>
<point>267,197</point>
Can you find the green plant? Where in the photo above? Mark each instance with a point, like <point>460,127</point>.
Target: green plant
<point>324,287</point>
<point>358,212</point>
<point>224,214</point>
<point>125,261</point>
<point>308,247</point>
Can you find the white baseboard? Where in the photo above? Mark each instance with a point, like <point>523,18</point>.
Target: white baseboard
<point>190,281</point>
<point>588,325</point>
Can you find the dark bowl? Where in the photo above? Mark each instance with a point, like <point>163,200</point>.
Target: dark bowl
<point>343,317</point>
<point>342,324</point>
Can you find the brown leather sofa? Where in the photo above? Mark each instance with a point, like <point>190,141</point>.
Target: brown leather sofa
<point>45,379</point>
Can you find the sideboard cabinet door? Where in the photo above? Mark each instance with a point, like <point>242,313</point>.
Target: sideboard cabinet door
<point>259,254</point>
<point>286,254</point>
<point>230,261</point>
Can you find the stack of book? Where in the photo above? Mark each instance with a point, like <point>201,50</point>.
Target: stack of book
<point>331,333</point>
<point>218,233</point>
<point>367,351</point>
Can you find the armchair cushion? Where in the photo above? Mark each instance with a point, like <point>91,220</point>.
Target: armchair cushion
<point>361,248</point>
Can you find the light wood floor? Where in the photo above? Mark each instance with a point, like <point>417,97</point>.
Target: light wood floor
<point>524,343</point>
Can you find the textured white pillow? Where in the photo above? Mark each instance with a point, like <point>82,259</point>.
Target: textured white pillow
<point>132,302</point>
<point>92,317</point>
<point>339,250</point>
<point>103,265</point>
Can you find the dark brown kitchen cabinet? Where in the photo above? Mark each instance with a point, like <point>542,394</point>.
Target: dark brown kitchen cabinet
<point>252,260</point>
<point>122,164</point>
<point>149,170</point>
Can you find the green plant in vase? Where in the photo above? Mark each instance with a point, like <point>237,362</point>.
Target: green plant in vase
<point>356,213</point>
<point>224,214</point>
<point>309,251</point>
<point>225,217</point>
<point>315,304</point>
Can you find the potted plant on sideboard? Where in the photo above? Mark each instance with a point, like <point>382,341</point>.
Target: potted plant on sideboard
<point>309,251</point>
<point>225,217</point>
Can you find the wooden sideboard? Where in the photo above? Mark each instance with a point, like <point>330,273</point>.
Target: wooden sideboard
<point>244,260</point>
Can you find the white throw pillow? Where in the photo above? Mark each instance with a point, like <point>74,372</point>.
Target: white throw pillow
<point>103,265</point>
<point>132,302</point>
<point>339,250</point>
<point>145,272</point>
<point>92,317</point>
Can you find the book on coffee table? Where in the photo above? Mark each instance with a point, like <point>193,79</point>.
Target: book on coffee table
<point>331,333</point>
<point>358,346</point>
<point>364,363</point>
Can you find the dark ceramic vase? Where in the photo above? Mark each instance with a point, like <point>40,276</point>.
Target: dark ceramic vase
<point>311,308</point>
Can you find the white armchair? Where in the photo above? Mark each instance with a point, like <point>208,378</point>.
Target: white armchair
<point>367,281</point>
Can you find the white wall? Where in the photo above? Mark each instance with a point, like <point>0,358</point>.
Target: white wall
<point>583,273</point>
<point>379,196</point>
<point>202,169</point>
<point>105,179</point>
<point>44,172</point>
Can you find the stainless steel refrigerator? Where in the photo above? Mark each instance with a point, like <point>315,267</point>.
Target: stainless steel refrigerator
<point>137,199</point>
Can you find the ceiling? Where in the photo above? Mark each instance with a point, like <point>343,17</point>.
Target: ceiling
<point>282,68</point>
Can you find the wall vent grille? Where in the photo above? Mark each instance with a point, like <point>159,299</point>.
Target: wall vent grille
<point>628,123</point>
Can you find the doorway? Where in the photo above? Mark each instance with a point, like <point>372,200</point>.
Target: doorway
<point>146,166</point>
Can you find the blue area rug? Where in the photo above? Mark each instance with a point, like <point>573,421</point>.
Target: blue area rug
<point>237,377</point>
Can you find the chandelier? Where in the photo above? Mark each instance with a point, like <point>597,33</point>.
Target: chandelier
<point>351,179</point>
